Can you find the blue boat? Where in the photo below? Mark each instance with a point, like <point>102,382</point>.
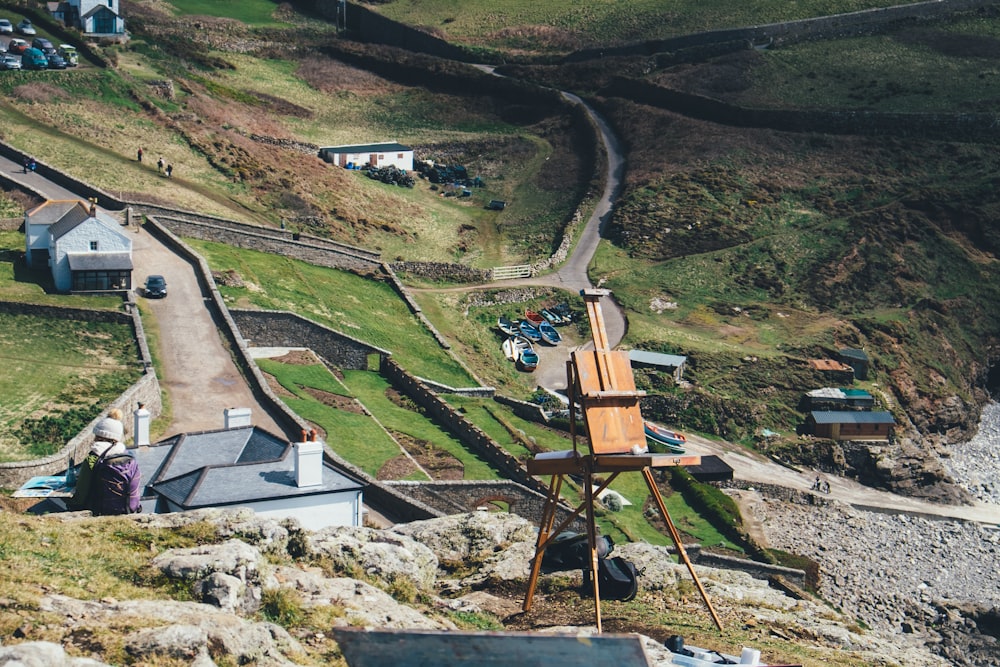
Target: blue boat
<point>549,333</point>
<point>528,359</point>
<point>529,331</point>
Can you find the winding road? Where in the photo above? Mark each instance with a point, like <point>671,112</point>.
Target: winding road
<point>200,379</point>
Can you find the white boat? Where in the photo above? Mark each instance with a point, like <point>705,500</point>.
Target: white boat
<point>514,346</point>
<point>549,333</point>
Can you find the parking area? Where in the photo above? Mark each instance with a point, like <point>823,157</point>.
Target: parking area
<point>23,47</point>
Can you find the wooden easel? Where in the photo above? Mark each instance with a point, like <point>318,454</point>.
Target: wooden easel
<point>601,381</point>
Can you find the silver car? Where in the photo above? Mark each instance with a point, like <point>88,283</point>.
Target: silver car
<point>8,62</point>
<point>25,27</point>
<point>6,27</point>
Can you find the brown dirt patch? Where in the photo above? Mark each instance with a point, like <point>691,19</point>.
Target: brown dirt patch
<point>344,403</point>
<point>438,463</point>
<point>276,387</point>
<point>400,467</point>
<point>298,357</point>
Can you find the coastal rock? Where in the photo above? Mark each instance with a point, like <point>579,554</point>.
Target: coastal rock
<point>382,554</point>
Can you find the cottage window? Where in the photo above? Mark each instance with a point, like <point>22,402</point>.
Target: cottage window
<point>93,246</point>
<point>399,155</point>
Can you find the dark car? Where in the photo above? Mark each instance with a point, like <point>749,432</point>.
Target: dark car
<point>43,45</point>
<point>156,287</point>
<point>56,61</point>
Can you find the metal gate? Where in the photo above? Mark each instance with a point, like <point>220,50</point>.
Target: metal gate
<point>508,272</point>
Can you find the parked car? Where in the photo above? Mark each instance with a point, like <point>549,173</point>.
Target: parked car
<point>6,27</point>
<point>25,27</point>
<point>32,58</point>
<point>69,54</point>
<point>9,62</point>
<point>43,45</point>
<point>17,46</point>
<point>56,61</point>
<point>156,287</point>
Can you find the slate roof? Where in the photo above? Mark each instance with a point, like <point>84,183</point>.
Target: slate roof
<point>99,261</point>
<point>851,417</point>
<point>51,211</point>
<point>229,466</point>
<point>76,216</point>
<point>387,147</point>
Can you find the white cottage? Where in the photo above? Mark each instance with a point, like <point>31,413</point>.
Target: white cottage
<point>376,155</point>
<point>248,467</point>
<point>84,247</point>
<point>94,17</point>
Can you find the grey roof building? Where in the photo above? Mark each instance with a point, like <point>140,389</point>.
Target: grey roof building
<point>247,466</point>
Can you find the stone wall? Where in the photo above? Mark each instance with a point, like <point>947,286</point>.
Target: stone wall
<point>838,26</point>
<point>268,328</point>
<point>455,497</point>
<point>145,390</point>
<point>470,434</point>
<point>751,567</point>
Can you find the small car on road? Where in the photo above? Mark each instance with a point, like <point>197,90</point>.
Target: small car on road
<point>9,62</point>
<point>6,27</point>
<point>32,58</point>
<point>69,54</point>
<point>56,61</point>
<point>17,46</point>
<point>25,27</point>
<point>155,288</point>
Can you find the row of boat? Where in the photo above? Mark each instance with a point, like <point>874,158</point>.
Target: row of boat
<point>540,330</point>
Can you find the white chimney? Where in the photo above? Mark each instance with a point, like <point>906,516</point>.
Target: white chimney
<point>140,430</point>
<point>308,461</point>
<point>237,417</point>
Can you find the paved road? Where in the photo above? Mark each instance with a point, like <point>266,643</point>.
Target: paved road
<point>199,378</point>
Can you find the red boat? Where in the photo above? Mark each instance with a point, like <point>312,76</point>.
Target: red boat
<point>533,317</point>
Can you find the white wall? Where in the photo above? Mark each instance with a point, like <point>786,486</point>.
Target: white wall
<point>78,241</point>
<point>315,512</point>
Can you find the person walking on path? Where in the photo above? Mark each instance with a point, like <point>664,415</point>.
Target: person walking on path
<point>138,154</point>
<point>159,165</point>
<point>170,170</point>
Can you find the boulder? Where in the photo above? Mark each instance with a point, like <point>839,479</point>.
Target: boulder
<point>381,554</point>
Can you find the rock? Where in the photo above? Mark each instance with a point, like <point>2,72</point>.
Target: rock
<point>42,654</point>
<point>469,537</point>
<point>364,605</point>
<point>381,554</point>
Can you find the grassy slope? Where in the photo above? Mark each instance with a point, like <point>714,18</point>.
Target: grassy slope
<point>564,25</point>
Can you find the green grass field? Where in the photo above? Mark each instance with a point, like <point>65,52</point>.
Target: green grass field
<point>358,307</point>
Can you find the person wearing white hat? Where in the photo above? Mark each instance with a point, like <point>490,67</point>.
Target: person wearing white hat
<point>109,442</point>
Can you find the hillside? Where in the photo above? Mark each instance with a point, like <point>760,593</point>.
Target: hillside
<point>750,250</point>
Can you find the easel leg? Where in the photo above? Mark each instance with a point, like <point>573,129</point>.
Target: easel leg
<point>588,481</point>
<point>676,537</point>
<point>544,531</point>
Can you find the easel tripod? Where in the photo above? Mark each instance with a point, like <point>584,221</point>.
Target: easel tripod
<point>601,381</point>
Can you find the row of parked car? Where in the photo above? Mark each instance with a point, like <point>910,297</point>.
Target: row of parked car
<point>39,54</point>
<point>23,28</point>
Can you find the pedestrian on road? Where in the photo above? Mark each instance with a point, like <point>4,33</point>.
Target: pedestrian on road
<point>170,170</point>
<point>159,165</point>
<point>138,154</point>
<point>32,166</point>
<point>817,486</point>
<point>26,162</point>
